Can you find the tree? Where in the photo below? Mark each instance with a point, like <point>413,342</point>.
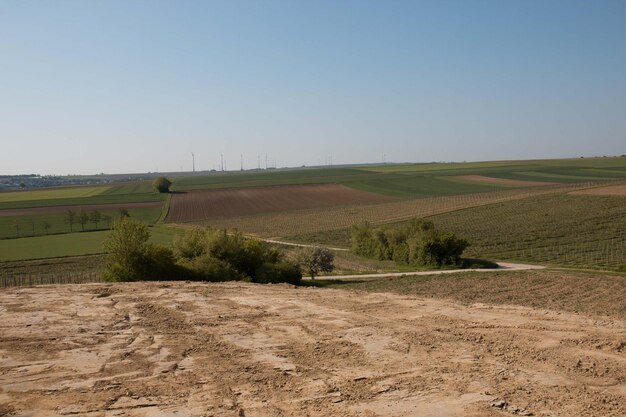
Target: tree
<point>83,218</point>
<point>315,260</point>
<point>70,218</point>
<point>123,212</point>
<point>162,184</point>
<point>95,217</point>
<point>131,258</point>
<point>46,226</point>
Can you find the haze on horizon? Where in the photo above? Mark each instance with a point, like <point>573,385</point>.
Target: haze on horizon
<point>116,86</point>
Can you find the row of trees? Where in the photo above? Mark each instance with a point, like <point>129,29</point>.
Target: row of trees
<point>205,254</point>
<point>417,243</point>
<point>71,217</point>
<point>83,217</point>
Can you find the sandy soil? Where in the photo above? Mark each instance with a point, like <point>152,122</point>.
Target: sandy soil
<point>618,190</point>
<point>208,204</point>
<point>236,349</point>
<point>502,181</point>
<point>89,207</point>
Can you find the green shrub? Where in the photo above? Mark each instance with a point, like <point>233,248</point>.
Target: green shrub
<point>279,272</point>
<point>131,258</point>
<point>315,260</point>
<point>162,184</point>
<point>418,243</point>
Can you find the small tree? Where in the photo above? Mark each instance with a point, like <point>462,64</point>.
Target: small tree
<point>315,260</point>
<point>70,218</point>
<point>123,212</point>
<point>83,218</point>
<point>32,225</point>
<point>162,184</point>
<point>16,226</point>
<point>131,258</point>
<point>126,246</point>
<point>95,217</point>
<point>46,226</point>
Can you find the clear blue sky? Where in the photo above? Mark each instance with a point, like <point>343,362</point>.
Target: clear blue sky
<point>132,86</point>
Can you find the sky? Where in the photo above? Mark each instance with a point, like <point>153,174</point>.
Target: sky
<point>137,86</point>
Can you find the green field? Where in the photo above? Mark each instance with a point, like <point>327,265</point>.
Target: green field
<point>71,244</point>
<point>28,226</point>
<point>51,194</point>
<point>420,180</point>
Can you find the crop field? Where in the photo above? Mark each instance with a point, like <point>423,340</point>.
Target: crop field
<point>17,226</point>
<point>52,194</point>
<point>501,181</point>
<point>617,190</point>
<point>561,229</point>
<point>202,205</point>
<point>71,244</point>
<point>136,192</point>
<point>284,224</point>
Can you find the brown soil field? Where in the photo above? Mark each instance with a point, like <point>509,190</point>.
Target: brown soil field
<point>62,209</point>
<point>203,205</point>
<point>502,181</point>
<point>616,190</point>
<point>238,349</point>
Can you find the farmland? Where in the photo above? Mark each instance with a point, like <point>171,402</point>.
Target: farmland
<point>318,205</point>
<point>202,205</point>
<point>70,244</point>
<point>325,219</point>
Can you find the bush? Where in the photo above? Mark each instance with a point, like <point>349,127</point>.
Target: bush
<point>131,258</point>
<point>315,260</point>
<point>207,268</point>
<point>216,255</point>
<point>162,184</point>
<point>418,243</point>
<point>279,272</point>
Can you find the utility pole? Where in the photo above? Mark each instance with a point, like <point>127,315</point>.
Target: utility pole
<point>242,162</point>
<point>258,157</point>
<point>265,161</point>
<point>193,162</point>
<point>222,162</point>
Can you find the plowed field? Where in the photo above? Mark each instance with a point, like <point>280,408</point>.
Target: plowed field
<point>211,204</point>
<point>237,349</point>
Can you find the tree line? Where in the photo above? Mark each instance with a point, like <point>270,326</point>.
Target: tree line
<point>71,218</point>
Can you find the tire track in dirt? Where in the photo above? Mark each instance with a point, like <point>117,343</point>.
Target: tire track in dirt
<point>233,349</point>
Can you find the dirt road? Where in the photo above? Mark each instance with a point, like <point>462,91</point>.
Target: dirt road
<point>236,349</point>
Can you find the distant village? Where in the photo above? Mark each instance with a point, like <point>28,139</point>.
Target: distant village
<point>23,182</point>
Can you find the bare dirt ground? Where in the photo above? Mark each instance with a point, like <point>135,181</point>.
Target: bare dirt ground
<point>208,204</point>
<point>236,349</point>
<point>503,181</point>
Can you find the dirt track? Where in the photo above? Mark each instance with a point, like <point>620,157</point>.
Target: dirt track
<point>235,349</point>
